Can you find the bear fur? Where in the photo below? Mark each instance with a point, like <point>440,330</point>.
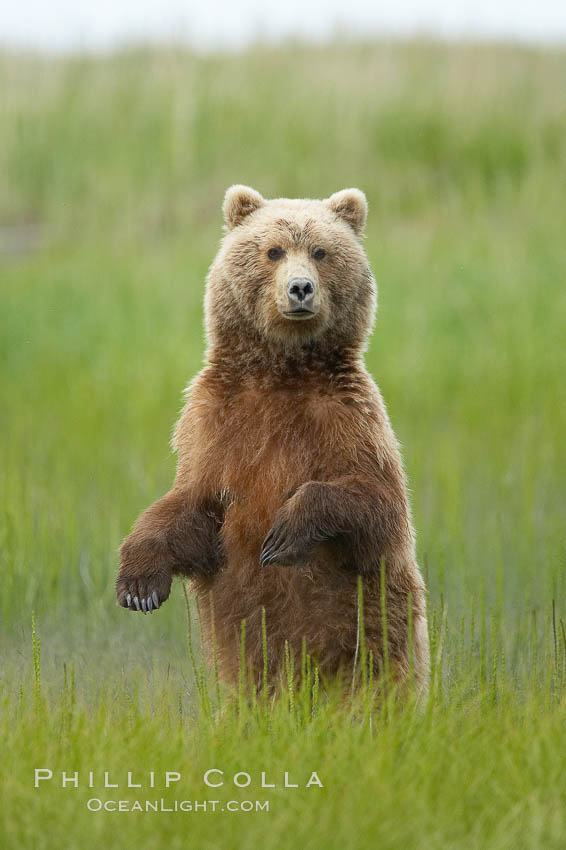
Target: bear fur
<point>289,482</point>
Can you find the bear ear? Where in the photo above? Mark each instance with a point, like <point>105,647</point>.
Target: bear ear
<point>352,206</point>
<point>239,202</point>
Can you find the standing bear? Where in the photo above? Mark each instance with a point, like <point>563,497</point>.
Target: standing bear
<point>289,482</point>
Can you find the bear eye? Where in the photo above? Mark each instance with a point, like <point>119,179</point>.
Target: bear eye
<point>319,254</point>
<point>275,253</point>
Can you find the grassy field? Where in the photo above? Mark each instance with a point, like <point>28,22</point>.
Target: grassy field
<point>112,172</point>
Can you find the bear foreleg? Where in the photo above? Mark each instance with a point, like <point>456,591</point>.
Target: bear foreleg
<point>172,537</point>
<point>364,509</point>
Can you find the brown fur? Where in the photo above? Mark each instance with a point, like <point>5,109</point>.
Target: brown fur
<point>285,450</point>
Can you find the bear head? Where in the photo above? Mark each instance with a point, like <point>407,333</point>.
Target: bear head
<point>292,273</point>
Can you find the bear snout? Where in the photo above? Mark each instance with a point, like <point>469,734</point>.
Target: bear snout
<point>300,297</point>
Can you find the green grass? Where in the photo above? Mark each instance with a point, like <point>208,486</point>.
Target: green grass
<point>112,172</point>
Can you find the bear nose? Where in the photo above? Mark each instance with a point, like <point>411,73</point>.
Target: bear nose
<point>300,290</point>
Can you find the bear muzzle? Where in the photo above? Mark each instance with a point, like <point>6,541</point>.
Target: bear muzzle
<point>300,298</point>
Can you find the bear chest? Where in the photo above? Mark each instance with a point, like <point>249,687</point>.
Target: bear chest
<point>260,448</point>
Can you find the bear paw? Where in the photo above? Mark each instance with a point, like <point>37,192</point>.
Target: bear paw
<point>285,544</point>
<point>143,594</point>
<point>144,580</point>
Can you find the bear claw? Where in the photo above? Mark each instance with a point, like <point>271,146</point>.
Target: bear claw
<point>284,555</point>
<point>147,604</point>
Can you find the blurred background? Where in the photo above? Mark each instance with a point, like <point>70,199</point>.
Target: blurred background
<point>122,124</point>
<point>72,24</point>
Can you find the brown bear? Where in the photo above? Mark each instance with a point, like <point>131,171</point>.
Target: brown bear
<point>289,482</point>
